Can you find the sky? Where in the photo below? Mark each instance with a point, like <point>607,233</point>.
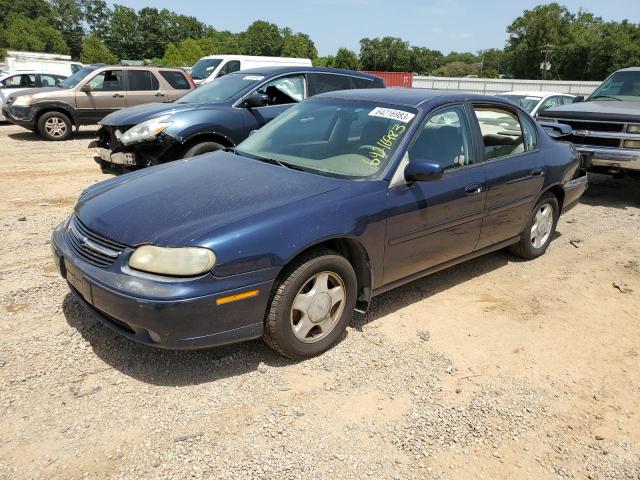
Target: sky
<point>445,25</point>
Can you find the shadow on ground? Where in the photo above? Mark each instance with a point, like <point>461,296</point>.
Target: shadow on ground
<point>29,136</point>
<point>608,191</point>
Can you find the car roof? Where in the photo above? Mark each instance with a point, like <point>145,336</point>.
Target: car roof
<point>275,70</point>
<point>29,72</point>
<point>133,67</point>
<point>410,97</point>
<point>534,93</point>
<point>630,69</point>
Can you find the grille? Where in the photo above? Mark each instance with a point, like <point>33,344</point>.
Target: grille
<point>594,126</point>
<point>594,141</point>
<point>91,247</point>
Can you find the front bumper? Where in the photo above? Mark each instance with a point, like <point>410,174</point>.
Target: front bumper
<point>22,116</point>
<point>613,158</point>
<point>175,314</point>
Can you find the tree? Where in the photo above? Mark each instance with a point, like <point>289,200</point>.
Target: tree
<point>424,60</point>
<point>124,38</point>
<point>345,58</point>
<point>456,69</point>
<point>262,38</point>
<point>95,51</point>
<point>35,35</point>
<point>385,54</point>
<point>324,61</point>
<point>298,45</point>
<point>185,54</point>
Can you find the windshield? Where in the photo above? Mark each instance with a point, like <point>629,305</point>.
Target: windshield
<point>222,89</point>
<point>204,67</point>
<point>619,86</point>
<point>338,138</point>
<point>526,102</point>
<point>76,78</point>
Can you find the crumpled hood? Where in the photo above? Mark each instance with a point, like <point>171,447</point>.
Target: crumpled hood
<point>176,203</point>
<point>142,113</point>
<point>596,109</point>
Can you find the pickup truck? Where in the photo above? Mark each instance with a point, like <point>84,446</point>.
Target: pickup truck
<point>606,126</point>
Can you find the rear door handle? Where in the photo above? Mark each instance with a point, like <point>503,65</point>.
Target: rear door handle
<point>117,95</point>
<point>159,94</point>
<point>473,189</point>
<point>536,172</point>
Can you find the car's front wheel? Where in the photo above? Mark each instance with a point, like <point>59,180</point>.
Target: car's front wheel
<point>311,306</point>
<point>54,126</point>
<point>540,228</point>
<point>202,148</point>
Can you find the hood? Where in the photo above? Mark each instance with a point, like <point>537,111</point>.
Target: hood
<point>33,91</point>
<point>142,113</point>
<point>595,110</point>
<point>175,203</point>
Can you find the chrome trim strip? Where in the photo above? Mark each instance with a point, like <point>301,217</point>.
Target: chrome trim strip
<point>85,242</point>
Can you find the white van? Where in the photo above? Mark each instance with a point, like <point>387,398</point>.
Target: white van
<point>41,62</point>
<point>209,68</point>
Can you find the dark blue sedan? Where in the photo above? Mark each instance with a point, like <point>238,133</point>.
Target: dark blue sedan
<point>339,199</point>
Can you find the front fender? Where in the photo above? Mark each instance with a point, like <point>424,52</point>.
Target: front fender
<point>226,123</point>
<point>40,107</point>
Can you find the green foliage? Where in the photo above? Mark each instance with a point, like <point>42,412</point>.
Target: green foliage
<point>456,69</point>
<point>385,54</point>
<point>298,45</point>
<point>185,54</point>
<point>95,51</point>
<point>345,58</point>
<point>37,35</point>
<point>324,61</point>
<point>262,38</point>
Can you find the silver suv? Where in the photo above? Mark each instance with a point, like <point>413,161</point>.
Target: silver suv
<point>90,94</point>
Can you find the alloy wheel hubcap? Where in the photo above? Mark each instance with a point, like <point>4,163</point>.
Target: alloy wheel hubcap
<point>542,225</point>
<point>317,307</point>
<point>55,127</point>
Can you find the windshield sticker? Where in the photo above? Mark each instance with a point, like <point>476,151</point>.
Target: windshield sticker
<point>253,78</point>
<point>390,113</point>
<point>379,151</point>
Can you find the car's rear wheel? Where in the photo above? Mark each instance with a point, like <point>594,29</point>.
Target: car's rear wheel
<point>55,126</point>
<point>540,228</point>
<point>311,306</point>
<point>202,148</point>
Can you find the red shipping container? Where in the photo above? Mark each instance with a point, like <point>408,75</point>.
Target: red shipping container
<point>395,79</point>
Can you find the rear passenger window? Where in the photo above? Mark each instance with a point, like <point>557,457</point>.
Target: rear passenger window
<point>325,82</point>
<point>445,139</point>
<point>176,79</point>
<point>142,80</point>
<point>361,82</point>
<point>501,132</point>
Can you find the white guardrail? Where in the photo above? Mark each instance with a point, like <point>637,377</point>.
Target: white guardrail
<point>492,86</point>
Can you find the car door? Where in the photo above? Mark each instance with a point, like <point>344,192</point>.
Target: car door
<point>16,83</point>
<point>106,95</point>
<point>283,93</point>
<point>514,169</point>
<point>143,87</point>
<point>174,84</point>
<point>432,222</point>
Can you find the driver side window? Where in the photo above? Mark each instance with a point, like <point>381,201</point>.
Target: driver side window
<point>108,81</point>
<point>284,90</point>
<point>445,139</point>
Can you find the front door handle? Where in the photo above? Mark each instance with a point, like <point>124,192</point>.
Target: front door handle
<point>473,189</point>
<point>536,172</point>
<point>159,94</point>
<point>117,95</point>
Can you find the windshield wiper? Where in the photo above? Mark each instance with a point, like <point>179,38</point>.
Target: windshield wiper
<point>606,96</point>
<point>273,161</point>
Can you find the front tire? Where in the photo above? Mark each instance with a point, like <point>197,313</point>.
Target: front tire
<point>54,126</point>
<point>312,306</point>
<point>537,234</point>
<point>202,148</point>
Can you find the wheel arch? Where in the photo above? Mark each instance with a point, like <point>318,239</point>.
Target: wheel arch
<point>556,190</point>
<point>56,107</point>
<point>356,255</point>
<point>206,137</point>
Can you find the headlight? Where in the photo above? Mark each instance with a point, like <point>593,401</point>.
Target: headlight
<point>145,130</point>
<point>23,101</point>
<point>180,262</point>
<point>633,129</point>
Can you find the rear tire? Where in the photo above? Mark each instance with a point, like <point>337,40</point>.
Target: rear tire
<point>538,232</point>
<point>311,306</point>
<point>54,126</point>
<point>202,148</point>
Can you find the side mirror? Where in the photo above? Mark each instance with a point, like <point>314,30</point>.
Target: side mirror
<point>256,100</point>
<point>578,99</point>
<point>423,171</point>
<point>86,88</point>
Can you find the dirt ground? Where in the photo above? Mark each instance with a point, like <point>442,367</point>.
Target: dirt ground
<point>495,369</point>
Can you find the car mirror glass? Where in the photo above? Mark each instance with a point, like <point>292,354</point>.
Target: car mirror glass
<point>86,88</point>
<point>257,100</point>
